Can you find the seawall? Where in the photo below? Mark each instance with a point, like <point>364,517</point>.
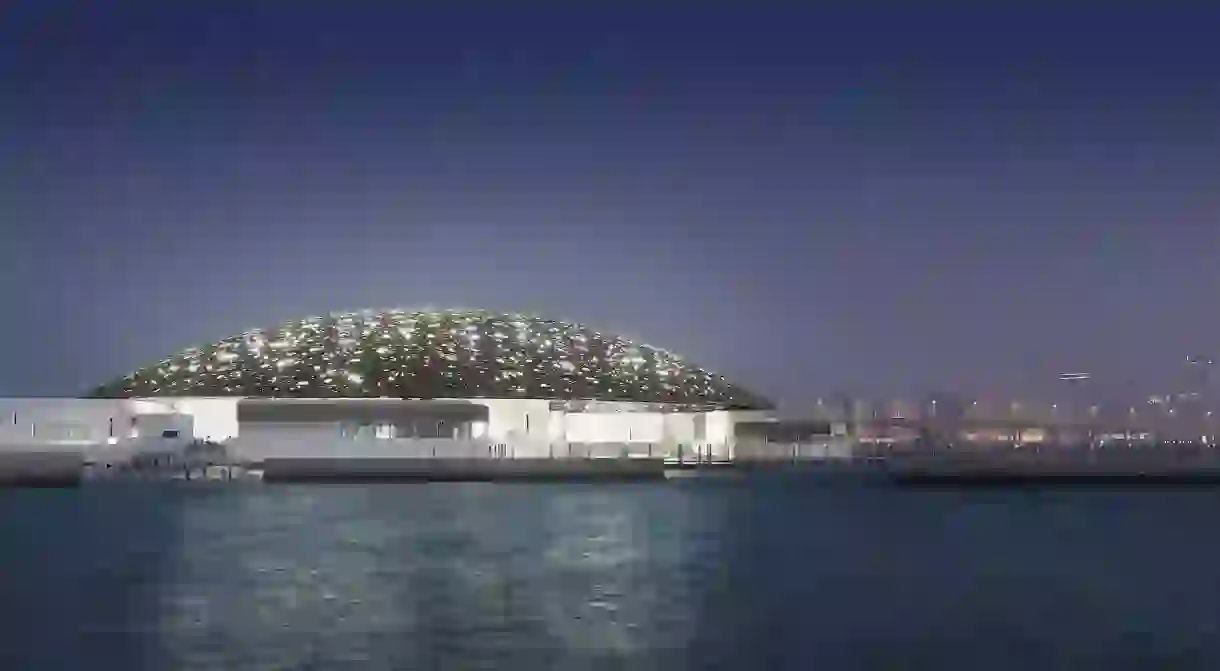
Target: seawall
<point>1115,467</point>
<point>459,470</point>
<point>45,468</point>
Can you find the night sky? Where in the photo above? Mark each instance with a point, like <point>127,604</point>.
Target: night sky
<point>884,200</point>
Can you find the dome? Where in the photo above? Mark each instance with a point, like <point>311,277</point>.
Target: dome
<point>432,354</point>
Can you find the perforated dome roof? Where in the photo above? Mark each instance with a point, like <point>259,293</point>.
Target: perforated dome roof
<point>432,354</point>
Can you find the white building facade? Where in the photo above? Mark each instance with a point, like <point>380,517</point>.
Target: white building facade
<point>259,428</point>
<point>355,383</point>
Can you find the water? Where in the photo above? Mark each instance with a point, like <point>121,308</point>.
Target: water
<point>769,573</point>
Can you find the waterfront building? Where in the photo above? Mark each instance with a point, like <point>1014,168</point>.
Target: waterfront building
<point>408,383</point>
<point>397,383</point>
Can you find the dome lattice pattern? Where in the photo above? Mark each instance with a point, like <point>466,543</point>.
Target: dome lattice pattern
<point>445,354</point>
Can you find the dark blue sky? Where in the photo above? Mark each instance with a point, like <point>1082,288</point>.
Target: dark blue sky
<point>884,200</point>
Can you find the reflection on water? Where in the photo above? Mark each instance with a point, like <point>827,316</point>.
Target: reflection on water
<point>613,564</point>
<point>672,576</point>
<point>289,577</point>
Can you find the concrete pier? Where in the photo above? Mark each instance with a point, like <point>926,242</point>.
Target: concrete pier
<point>1118,467</point>
<point>40,468</point>
<point>459,470</point>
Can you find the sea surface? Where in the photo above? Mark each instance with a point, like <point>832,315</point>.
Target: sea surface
<point>765,572</point>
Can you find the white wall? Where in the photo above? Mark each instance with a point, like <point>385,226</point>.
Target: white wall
<point>55,421</point>
<point>153,426</point>
<point>680,428</point>
<point>100,429</point>
<point>48,421</point>
<point>528,426</point>
<point>595,428</point>
<point>611,423</point>
<point>623,427</point>
<point>507,423</point>
<point>215,419</point>
<point>283,439</point>
<point>720,433</point>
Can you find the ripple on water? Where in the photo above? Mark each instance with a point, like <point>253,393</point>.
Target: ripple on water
<point>586,577</point>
